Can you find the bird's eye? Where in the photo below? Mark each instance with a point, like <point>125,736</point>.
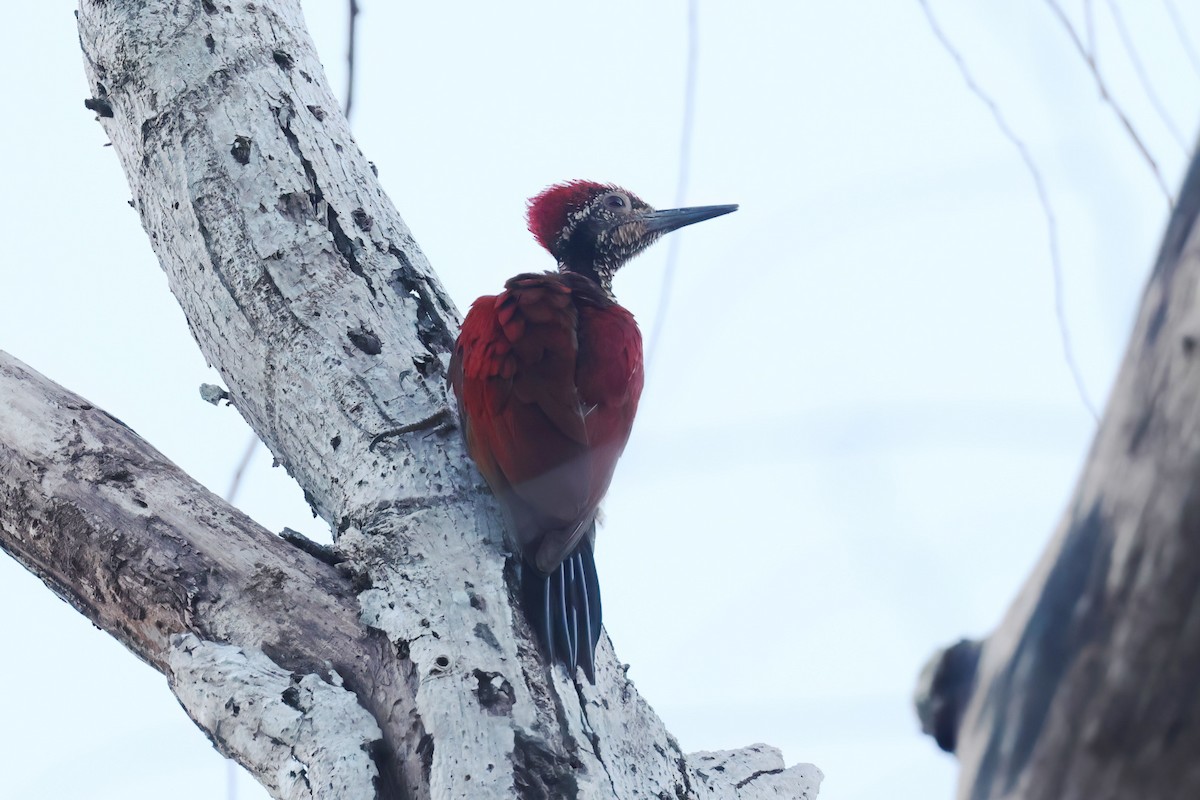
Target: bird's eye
<point>614,201</point>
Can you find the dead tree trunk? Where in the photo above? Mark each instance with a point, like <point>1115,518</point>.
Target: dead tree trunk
<point>1089,688</point>
<point>392,666</point>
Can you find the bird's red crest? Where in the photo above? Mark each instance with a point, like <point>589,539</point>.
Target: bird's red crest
<point>549,211</point>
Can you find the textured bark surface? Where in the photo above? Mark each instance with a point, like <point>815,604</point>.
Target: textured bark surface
<point>305,290</point>
<point>145,553</point>
<point>1089,688</point>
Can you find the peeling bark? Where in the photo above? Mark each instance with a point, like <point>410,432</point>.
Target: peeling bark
<point>394,665</point>
<point>1088,689</point>
<point>145,553</point>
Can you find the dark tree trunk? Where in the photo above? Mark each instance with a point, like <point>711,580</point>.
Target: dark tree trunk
<point>1090,687</point>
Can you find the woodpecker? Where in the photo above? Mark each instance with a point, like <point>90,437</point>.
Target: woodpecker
<point>547,375</point>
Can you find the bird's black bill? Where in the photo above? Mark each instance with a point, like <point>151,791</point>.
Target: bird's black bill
<point>670,219</point>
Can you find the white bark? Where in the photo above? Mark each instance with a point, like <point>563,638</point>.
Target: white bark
<point>144,552</point>
<point>304,288</point>
<point>306,738</point>
<point>753,773</point>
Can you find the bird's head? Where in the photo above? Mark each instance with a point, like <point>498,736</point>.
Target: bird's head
<point>594,228</point>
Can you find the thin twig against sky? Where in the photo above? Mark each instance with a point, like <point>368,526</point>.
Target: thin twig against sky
<point>1089,25</point>
<point>1143,77</point>
<point>681,185</point>
<point>350,59</point>
<point>1088,59</point>
<point>1043,197</point>
<point>235,482</point>
<point>1181,32</point>
<point>235,485</point>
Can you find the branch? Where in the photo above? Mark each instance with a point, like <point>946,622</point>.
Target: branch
<point>292,723</point>
<point>1102,87</point>
<point>304,288</point>
<point>299,280</point>
<point>1088,687</point>
<point>145,553</point>
<point>1043,195</point>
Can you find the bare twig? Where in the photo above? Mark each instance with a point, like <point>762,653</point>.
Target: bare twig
<point>1089,25</point>
<point>1143,77</point>
<point>681,185</point>
<point>1102,87</point>
<point>1043,197</point>
<point>1181,32</point>
<point>235,483</point>
<point>350,58</point>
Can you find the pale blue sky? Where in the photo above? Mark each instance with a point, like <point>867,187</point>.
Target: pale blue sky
<point>859,429</point>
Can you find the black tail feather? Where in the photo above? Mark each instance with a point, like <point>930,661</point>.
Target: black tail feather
<point>563,609</point>
<point>562,621</point>
<point>530,578</point>
<point>572,585</point>
<point>591,583</point>
<point>583,606</point>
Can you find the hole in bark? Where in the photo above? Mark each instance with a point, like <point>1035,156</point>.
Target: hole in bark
<point>345,246</point>
<point>431,329</point>
<point>362,219</point>
<point>208,6</point>
<point>425,751</point>
<point>539,772</point>
<point>484,634</point>
<point>335,442</point>
<point>295,206</point>
<point>317,112</point>
<point>366,341</point>
<point>241,149</point>
<point>284,60</point>
<point>210,42</point>
<point>291,697</point>
<point>494,692</point>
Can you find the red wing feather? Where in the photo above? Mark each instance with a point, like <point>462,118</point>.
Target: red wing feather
<point>610,384</point>
<point>547,380</point>
<point>515,382</point>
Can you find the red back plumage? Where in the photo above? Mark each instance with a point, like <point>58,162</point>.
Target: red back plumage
<point>549,210</point>
<point>548,375</point>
